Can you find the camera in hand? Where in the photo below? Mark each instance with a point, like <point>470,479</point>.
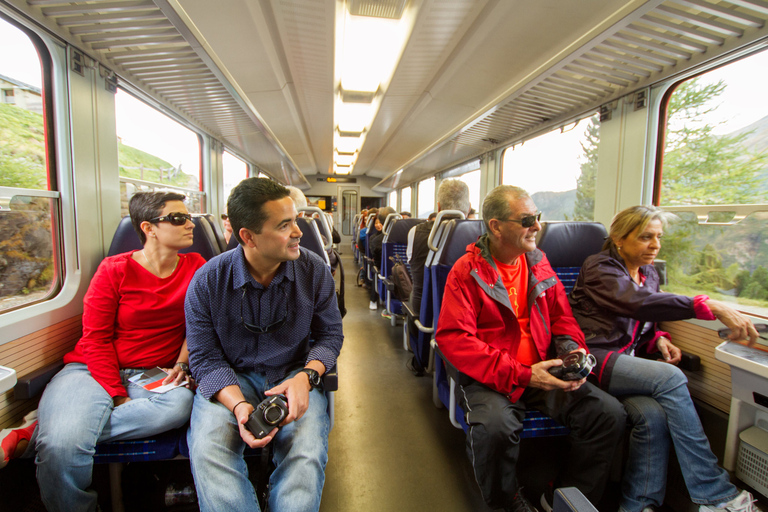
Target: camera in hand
<point>267,415</point>
<point>576,366</point>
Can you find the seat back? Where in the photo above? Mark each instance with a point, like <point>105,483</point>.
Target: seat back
<point>395,243</point>
<point>310,238</point>
<point>567,244</point>
<point>217,230</point>
<point>205,242</point>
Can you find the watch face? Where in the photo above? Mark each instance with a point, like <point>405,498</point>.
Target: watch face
<point>314,377</point>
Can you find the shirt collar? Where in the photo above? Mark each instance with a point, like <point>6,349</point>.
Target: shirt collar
<point>241,275</point>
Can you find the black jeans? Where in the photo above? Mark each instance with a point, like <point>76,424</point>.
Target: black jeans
<point>596,419</point>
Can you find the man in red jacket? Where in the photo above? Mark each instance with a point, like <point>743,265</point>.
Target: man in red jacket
<point>505,321</point>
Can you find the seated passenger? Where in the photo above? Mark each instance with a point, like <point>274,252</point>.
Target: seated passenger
<point>227,227</point>
<point>133,318</point>
<point>451,195</point>
<point>504,322</point>
<point>405,215</point>
<point>250,315</point>
<point>617,303</point>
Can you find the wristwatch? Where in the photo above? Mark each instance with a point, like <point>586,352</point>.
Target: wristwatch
<point>184,367</point>
<point>314,377</point>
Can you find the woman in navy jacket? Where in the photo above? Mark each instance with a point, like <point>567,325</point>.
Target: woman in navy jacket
<point>617,303</point>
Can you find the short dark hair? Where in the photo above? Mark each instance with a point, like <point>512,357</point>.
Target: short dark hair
<point>245,206</point>
<point>144,206</point>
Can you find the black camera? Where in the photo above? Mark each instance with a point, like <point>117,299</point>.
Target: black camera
<point>576,366</point>
<point>267,415</point>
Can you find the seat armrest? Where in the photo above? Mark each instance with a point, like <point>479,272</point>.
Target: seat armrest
<point>408,311</point>
<point>331,379</point>
<point>32,384</point>
<point>690,362</point>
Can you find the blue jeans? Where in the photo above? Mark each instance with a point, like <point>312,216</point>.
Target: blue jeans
<point>660,409</point>
<point>216,453</point>
<point>76,413</point>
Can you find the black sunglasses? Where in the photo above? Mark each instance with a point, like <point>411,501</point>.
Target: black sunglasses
<point>527,221</point>
<point>224,216</point>
<point>175,218</point>
<point>257,329</point>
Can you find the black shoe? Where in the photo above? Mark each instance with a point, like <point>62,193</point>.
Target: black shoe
<point>520,504</point>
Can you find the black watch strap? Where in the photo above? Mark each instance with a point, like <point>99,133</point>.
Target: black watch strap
<point>314,377</point>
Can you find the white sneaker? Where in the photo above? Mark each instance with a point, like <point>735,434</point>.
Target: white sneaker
<point>744,502</point>
<point>373,306</point>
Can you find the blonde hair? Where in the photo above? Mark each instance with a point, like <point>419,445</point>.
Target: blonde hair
<point>626,221</point>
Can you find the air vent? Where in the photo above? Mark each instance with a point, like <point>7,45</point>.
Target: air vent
<point>392,9</point>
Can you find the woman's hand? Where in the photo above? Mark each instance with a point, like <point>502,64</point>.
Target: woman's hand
<point>670,353</point>
<point>120,400</point>
<point>176,376</point>
<point>741,326</point>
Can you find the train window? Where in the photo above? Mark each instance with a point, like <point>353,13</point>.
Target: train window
<point>558,169</point>
<point>425,199</point>
<point>30,270</point>
<point>155,153</point>
<point>405,199</point>
<point>714,176</point>
<point>472,179</point>
<point>392,201</point>
<point>235,171</point>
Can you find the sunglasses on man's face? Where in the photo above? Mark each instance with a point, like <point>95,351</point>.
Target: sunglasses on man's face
<point>528,221</point>
<point>224,216</point>
<point>175,218</point>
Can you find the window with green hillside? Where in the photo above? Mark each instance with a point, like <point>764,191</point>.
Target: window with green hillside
<point>714,176</point>
<point>29,270</point>
<point>155,152</point>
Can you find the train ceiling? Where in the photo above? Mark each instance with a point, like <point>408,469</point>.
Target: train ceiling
<point>474,74</point>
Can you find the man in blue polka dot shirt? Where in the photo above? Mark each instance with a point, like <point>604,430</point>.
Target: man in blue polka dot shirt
<point>262,320</point>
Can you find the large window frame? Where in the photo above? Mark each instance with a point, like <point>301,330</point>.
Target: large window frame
<point>699,216</point>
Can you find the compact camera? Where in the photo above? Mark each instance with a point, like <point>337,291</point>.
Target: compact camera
<point>576,366</point>
<point>267,415</point>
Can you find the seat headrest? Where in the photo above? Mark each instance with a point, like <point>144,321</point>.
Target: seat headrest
<point>310,238</point>
<point>205,243</point>
<point>398,234</point>
<point>461,233</point>
<point>569,243</point>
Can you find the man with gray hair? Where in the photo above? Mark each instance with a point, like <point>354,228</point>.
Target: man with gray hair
<point>299,199</point>
<point>451,195</point>
<point>504,323</point>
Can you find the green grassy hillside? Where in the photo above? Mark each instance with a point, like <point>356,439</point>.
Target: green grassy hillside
<point>22,154</point>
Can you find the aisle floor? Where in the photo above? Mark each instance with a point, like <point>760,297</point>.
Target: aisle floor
<point>390,448</point>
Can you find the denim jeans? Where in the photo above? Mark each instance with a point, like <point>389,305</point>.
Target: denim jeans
<point>216,453</point>
<point>76,413</point>
<point>660,409</point>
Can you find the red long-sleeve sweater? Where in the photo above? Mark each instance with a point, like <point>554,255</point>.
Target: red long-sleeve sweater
<point>132,318</point>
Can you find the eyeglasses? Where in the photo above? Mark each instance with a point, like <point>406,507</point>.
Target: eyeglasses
<point>175,218</point>
<point>527,221</point>
<point>224,216</point>
<point>257,329</point>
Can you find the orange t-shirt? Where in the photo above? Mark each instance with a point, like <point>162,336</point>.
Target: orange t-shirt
<point>515,279</point>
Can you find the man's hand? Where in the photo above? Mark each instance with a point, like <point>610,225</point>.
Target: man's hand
<point>669,352</point>
<point>296,390</point>
<point>542,379</point>
<point>242,412</point>
<point>741,326</point>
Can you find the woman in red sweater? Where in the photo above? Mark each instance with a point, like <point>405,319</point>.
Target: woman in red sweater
<point>133,319</point>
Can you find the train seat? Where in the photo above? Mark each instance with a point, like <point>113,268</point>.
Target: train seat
<point>310,239</point>
<point>450,245</point>
<point>567,244</point>
<point>205,242</point>
<point>394,245</point>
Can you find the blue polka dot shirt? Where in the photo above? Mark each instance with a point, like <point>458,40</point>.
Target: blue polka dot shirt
<point>299,305</point>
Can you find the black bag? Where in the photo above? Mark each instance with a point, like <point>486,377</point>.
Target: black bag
<point>401,279</point>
